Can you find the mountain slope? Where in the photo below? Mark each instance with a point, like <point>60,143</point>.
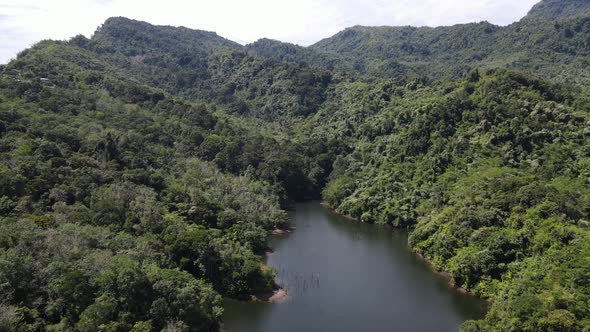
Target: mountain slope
<point>131,37</point>
<point>110,219</point>
<point>394,51</point>
<point>200,65</point>
<point>551,41</point>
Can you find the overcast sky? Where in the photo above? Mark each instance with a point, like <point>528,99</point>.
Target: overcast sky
<point>303,22</point>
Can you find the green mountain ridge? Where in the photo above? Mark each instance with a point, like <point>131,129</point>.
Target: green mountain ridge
<point>141,38</point>
<point>450,52</point>
<point>141,169</point>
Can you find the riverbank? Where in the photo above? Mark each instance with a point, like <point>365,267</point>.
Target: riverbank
<point>281,231</point>
<point>444,274</point>
<point>278,295</point>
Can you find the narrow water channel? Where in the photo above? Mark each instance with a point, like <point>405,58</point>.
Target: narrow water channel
<point>344,275</point>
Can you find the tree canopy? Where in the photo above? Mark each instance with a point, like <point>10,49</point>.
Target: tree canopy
<point>142,169</point>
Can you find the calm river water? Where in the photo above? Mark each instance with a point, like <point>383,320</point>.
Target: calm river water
<point>344,275</point>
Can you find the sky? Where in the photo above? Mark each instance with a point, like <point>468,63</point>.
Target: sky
<point>303,22</point>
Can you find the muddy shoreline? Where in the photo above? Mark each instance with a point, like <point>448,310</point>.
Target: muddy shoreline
<point>278,295</point>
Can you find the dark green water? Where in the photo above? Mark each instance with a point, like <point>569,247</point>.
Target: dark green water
<point>344,275</point>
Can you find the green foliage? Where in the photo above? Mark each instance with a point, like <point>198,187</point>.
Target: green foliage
<point>141,169</point>
<point>109,221</point>
<point>489,174</point>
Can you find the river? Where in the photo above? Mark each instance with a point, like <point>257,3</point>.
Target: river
<point>344,275</point>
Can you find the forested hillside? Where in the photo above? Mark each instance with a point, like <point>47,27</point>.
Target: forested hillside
<point>112,218</point>
<point>491,176</point>
<point>141,169</point>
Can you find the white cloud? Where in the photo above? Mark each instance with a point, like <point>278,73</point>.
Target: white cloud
<point>24,22</point>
